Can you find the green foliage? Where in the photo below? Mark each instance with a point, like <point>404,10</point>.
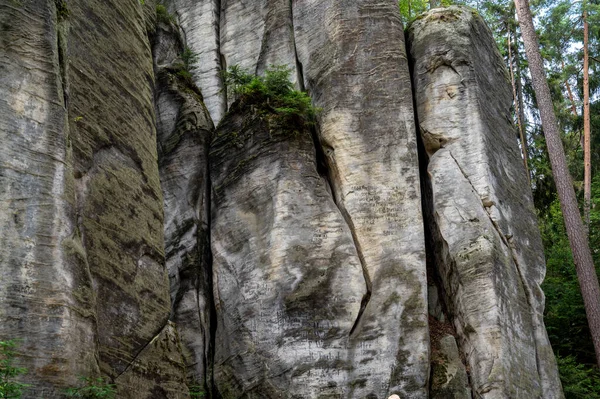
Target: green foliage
<point>197,392</point>
<point>579,381</point>
<point>189,63</point>
<point>564,316</point>
<point>61,9</point>
<point>93,388</point>
<point>9,387</point>
<point>273,95</point>
<point>162,15</point>
<point>190,59</point>
<point>410,9</point>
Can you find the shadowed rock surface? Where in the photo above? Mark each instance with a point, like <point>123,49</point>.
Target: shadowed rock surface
<point>98,249</point>
<point>46,296</point>
<point>488,250</point>
<point>184,130</point>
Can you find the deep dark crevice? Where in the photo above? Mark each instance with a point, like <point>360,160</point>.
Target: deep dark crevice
<point>222,61</point>
<point>210,380</point>
<point>62,60</point>
<point>436,248</point>
<point>223,66</point>
<point>432,234</point>
<point>299,67</point>
<point>211,389</point>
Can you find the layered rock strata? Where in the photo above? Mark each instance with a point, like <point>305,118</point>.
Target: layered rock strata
<point>288,281</point>
<point>46,294</point>
<point>200,24</point>
<point>487,251</point>
<point>93,262</point>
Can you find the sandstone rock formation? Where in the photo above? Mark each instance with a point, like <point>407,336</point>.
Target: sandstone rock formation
<point>184,130</point>
<point>257,259</point>
<point>46,294</point>
<point>288,281</point>
<point>488,252</point>
<point>84,283</point>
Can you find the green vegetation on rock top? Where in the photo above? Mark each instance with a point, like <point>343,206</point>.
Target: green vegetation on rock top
<point>274,94</point>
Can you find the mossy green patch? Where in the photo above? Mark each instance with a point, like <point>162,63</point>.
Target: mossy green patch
<point>62,11</point>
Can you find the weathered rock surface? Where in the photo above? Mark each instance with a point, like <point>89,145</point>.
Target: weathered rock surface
<point>302,273</point>
<point>158,371</point>
<point>257,34</point>
<point>117,187</point>
<point>184,130</point>
<point>46,299</point>
<point>355,68</point>
<point>488,249</point>
<point>83,270</point>
<point>288,282</point>
<point>199,21</point>
<point>448,374</point>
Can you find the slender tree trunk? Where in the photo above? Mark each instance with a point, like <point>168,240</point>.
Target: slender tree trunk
<point>434,4</point>
<point>517,110</point>
<point>569,92</point>
<point>572,100</point>
<point>519,84</point>
<point>588,280</point>
<point>587,174</point>
<point>518,73</point>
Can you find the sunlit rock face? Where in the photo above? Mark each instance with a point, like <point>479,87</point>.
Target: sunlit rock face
<point>488,251</point>
<point>288,280</point>
<point>159,234</point>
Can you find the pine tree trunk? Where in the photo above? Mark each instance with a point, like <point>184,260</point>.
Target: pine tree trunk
<point>587,176</point>
<point>588,280</point>
<point>569,92</point>
<point>572,100</point>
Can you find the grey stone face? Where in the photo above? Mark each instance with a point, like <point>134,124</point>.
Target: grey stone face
<point>488,248</point>
<point>199,21</point>
<point>264,260</point>
<point>288,282</point>
<point>84,285</point>
<point>46,298</point>
<point>184,130</point>
<point>449,375</point>
<point>355,68</point>
<point>117,187</point>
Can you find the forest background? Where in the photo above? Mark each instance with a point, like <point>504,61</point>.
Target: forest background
<point>560,29</point>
